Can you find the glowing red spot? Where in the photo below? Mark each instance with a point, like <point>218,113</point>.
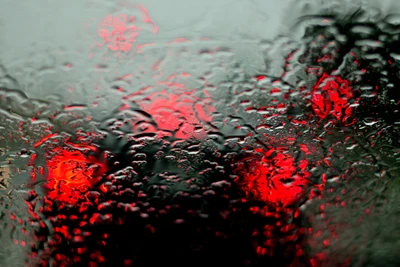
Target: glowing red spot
<point>181,112</point>
<point>127,263</point>
<point>275,178</point>
<point>116,32</point>
<point>275,90</point>
<point>72,172</point>
<point>331,96</point>
<point>120,31</point>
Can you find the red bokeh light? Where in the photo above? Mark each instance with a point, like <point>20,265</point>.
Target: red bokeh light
<point>116,32</point>
<point>120,31</point>
<point>275,178</point>
<point>331,96</point>
<point>72,172</point>
<point>181,112</point>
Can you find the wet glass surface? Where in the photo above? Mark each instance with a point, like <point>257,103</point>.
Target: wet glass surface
<point>232,133</point>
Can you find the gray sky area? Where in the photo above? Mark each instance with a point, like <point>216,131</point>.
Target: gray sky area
<point>41,32</point>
